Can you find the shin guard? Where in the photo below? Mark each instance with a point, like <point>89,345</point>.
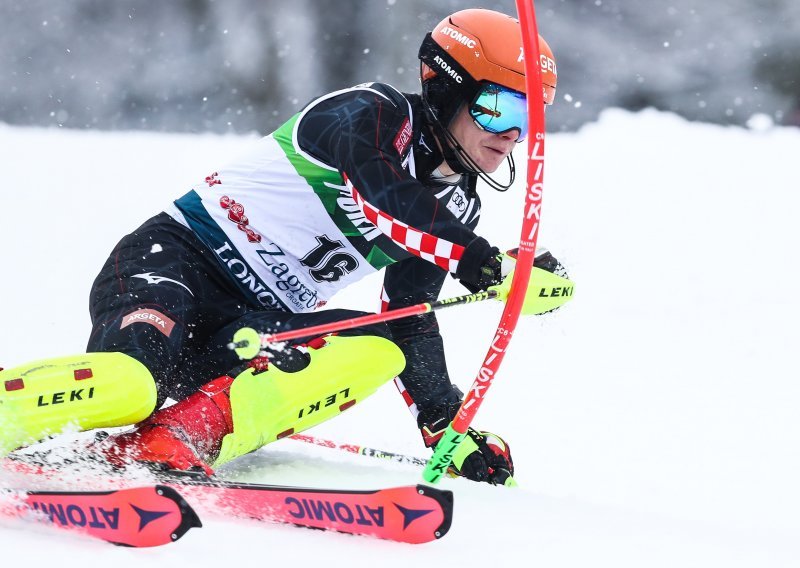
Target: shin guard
<point>91,390</point>
<point>273,404</point>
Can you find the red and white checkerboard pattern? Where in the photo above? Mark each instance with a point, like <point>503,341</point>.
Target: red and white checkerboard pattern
<point>412,406</point>
<point>442,253</point>
<point>384,300</point>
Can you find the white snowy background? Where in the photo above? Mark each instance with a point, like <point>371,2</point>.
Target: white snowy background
<point>654,421</point>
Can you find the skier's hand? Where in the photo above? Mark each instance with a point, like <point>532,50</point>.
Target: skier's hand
<point>484,456</point>
<point>549,287</point>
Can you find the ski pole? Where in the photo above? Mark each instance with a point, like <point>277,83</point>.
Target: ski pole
<point>370,452</point>
<point>360,450</point>
<point>247,342</point>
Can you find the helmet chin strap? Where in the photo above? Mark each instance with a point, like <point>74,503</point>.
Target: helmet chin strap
<point>467,162</point>
<point>459,159</point>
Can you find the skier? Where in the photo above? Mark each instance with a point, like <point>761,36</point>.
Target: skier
<point>361,179</point>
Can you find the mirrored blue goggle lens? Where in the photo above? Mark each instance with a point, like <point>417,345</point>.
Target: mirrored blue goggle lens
<point>497,109</point>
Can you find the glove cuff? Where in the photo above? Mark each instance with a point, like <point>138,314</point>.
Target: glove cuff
<point>479,266</point>
<point>433,420</point>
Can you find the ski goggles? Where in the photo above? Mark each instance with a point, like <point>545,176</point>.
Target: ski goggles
<point>498,109</point>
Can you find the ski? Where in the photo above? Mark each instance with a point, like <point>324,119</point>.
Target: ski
<point>136,517</point>
<point>412,514</point>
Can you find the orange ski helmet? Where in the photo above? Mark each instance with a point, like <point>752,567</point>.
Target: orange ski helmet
<point>472,46</point>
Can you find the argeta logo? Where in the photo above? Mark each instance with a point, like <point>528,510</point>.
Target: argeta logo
<point>548,64</point>
<point>151,317</point>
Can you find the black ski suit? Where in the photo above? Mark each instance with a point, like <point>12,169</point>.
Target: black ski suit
<point>173,292</point>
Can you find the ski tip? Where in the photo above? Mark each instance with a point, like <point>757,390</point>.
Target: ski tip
<point>445,500</point>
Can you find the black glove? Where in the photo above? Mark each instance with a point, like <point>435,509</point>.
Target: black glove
<point>498,265</point>
<point>482,456</point>
<point>548,289</point>
<point>545,260</point>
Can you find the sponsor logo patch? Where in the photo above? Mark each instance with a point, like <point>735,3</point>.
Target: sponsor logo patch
<point>403,137</point>
<point>149,316</point>
<point>458,202</point>
<point>447,69</point>
<point>548,64</point>
<point>459,37</point>
<point>241,271</point>
<point>74,515</point>
<point>155,279</point>
<point>236,214</point>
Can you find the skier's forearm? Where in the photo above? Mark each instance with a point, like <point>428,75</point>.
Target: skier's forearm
<point>425,375</point>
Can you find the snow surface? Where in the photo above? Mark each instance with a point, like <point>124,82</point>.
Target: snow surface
<point>654,421</point>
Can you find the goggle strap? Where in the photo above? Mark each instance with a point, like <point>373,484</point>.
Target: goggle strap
<point>428,52</point>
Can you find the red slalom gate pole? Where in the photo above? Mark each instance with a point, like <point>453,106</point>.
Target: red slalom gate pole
<point>455,432</point>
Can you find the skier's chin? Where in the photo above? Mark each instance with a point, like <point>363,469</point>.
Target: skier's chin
<point>490,163</point>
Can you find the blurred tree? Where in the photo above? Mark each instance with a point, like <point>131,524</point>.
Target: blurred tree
<point>245,65</point>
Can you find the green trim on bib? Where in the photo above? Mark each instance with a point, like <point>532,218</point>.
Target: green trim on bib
<point>325,183</point>
<point>329,187</point>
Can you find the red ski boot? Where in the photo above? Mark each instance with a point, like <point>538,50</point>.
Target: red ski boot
<point>183,436</point>
<point>189,434</point>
